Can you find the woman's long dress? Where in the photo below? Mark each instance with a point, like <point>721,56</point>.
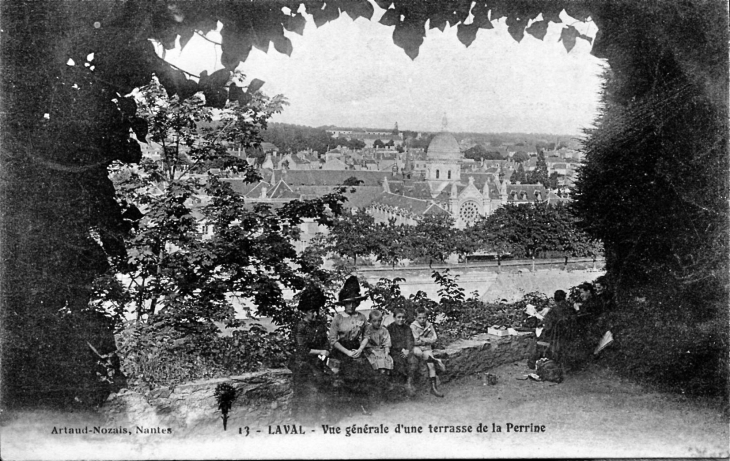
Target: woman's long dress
<point>357,375</point>
<point>310,379</point>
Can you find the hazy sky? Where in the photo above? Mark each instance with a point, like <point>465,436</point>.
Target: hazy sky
<point>350,73</point>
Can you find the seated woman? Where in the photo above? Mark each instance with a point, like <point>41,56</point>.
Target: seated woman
<point>588,328</point>
<point>405,363</point>
<point>310,380</point>
<point>557,340</point>
<point>348,341</point>
<point>378,348</point>
<point>424,335</point>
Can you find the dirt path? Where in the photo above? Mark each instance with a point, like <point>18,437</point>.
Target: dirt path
<point>592,414</point>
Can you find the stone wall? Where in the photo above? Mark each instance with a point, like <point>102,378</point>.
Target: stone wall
<point>512,283</point>
<point>481,353</point>
<point>263,398</point>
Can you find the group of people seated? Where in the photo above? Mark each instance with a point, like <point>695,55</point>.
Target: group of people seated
<point>572,332</point>
<point>357,362</point>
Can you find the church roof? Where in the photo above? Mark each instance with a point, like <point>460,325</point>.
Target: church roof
<point>282,190</point>
<point>295,178</point>
<point>529,190</point>
<point>553,199</point>
<point>242,187</point>
<point>362,197</point>
<point>412,205</point>
<point>257,189</point>
<point>444,147</point>
<point>415,189</point>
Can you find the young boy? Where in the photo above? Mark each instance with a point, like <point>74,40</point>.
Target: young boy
<point>424,335</point>
<point>405,363</point>
<point>378,343</point>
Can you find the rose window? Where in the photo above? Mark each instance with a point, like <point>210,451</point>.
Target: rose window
<point>469,212</point>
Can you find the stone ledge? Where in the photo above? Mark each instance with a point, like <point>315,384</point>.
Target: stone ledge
<point>263,397</point>
<point>482,352</point>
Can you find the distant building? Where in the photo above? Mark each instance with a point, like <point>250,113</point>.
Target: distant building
<point>404,186</point>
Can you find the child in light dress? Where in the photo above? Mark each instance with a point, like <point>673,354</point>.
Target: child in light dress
<point>378,346</point>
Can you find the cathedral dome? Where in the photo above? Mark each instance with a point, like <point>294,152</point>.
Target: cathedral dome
<point>444,147</point>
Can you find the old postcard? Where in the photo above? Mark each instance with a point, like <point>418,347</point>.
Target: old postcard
<point>364,229</point>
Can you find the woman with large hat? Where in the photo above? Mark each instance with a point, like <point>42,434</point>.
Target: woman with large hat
<point>348,341</point>
<point>310,378</point>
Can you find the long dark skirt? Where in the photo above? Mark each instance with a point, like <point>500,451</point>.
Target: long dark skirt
<point>312,390</point>
<point>357,382</point>
<point>562,344</point>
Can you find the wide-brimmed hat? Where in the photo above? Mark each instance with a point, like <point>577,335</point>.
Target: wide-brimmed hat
<point>350,291</point>
<point>311,299</point>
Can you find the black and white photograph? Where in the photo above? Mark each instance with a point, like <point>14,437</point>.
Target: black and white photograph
<point>364,229</point>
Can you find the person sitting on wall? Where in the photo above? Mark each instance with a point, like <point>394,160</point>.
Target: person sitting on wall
<point>378,348</point>
<point>348,341</point>
<point>405,363</point>
<point>310,379</point>
<point>424,335</point>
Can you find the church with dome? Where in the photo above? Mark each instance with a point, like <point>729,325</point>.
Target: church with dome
<point>439,183</point>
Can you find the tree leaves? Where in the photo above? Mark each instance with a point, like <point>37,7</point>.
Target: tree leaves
<point>185,36</point>
<point>538,29</point>
<point>295,23</point>
<point>357,8</point>
<point>481,16</point>
<point>390,18</point>
<point>235,46</point>
<point>568,36</point>
<point>213,87</point>
<point>322,12</point>
<point>516,27</point>
<point>128,107</point>
<point>236,93</point>
<point>409,35</point>
<point>248,25</point>
<point>532,229</point>
<point>283,45</point>
<point>254,86</point>
<point>177,274</point>
<point>139,126</point>
<point>467,33</point>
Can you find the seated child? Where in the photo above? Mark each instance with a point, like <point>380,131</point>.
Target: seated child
<point>424,335</point>
<point>405,363</point>
<point>378,345</point>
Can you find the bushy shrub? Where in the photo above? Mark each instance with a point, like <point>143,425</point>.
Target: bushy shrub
<point>156,355</point>
<point>473,317</point>
<point>386,295</point>
<point>660,344</point>
<point>454,316</point>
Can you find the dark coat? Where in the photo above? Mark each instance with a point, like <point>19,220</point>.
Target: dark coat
<point>401,337</point>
